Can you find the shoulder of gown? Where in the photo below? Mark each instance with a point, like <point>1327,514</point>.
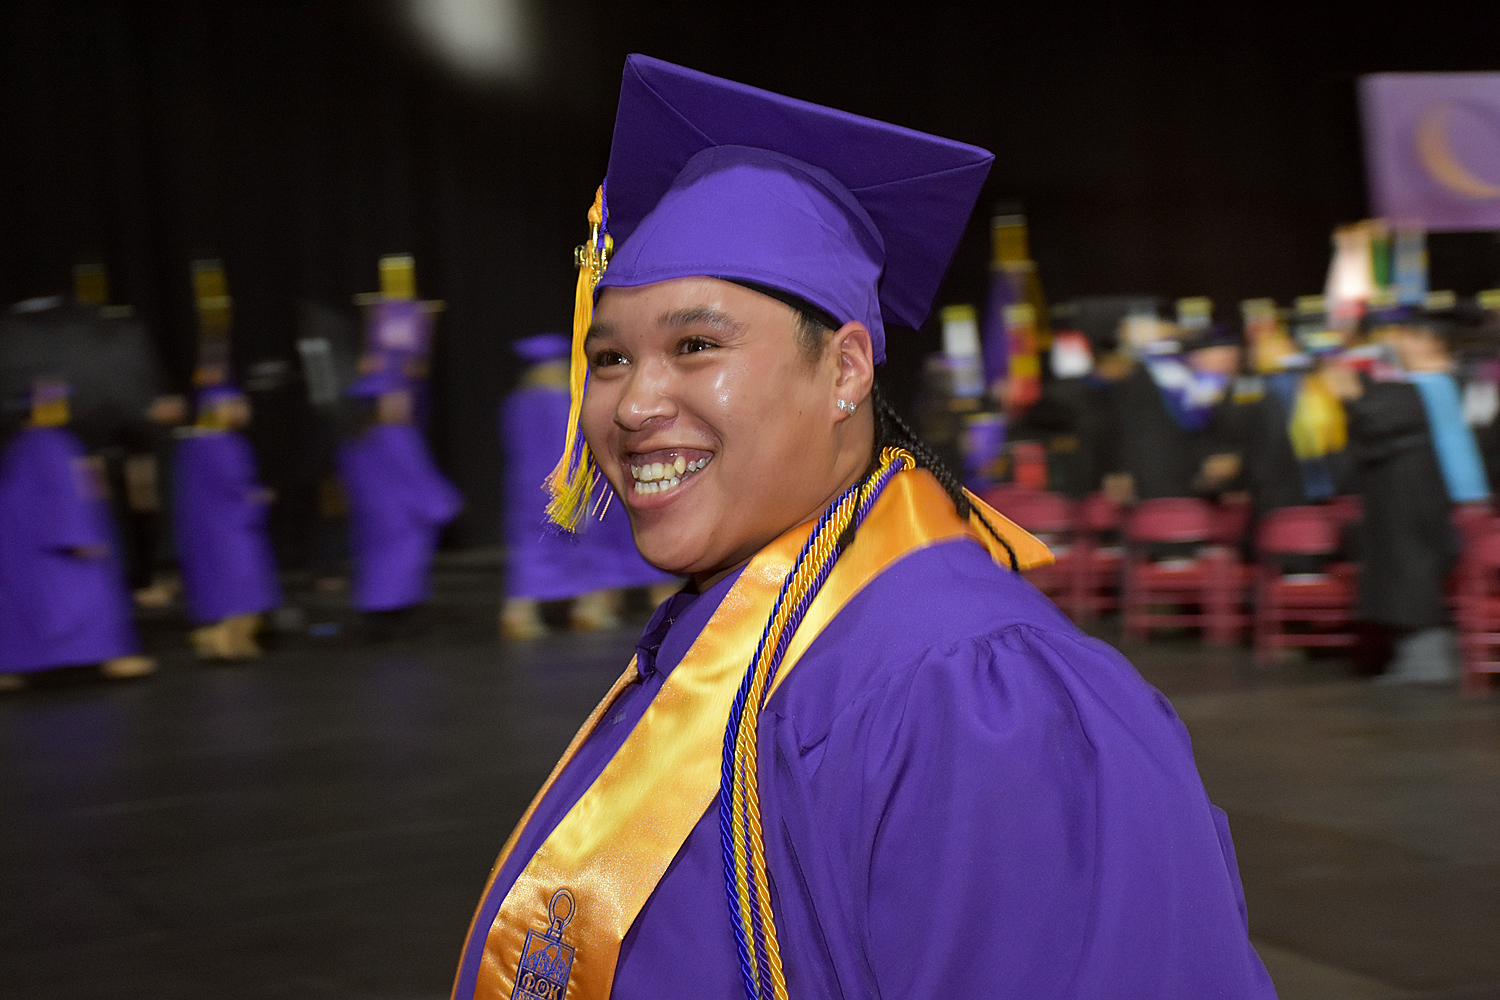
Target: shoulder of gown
<point>984,800</point>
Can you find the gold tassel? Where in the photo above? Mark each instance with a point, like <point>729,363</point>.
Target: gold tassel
<point>572,481</point>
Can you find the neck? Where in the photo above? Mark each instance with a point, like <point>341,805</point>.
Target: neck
<point>850,467</point>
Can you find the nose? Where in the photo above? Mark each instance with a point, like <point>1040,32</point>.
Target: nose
<point>647,396</point>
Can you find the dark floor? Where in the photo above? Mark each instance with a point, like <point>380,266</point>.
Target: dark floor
<point>319,824</point>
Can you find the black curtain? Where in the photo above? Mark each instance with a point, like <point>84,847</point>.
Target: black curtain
<point>1170,153</point>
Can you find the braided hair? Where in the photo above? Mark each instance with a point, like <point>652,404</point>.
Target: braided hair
<point>892,430</point>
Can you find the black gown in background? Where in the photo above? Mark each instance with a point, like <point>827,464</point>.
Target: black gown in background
<point>1271,472</point>
<point>1410,545</point>
<point>1143,438</point>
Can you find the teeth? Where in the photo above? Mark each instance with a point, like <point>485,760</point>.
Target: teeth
<point>658,477</point>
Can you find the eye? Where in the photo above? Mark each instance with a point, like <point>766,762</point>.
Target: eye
<point>606,359</point>
<point>695,345</point>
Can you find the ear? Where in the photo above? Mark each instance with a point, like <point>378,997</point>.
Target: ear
<point>854,355</point>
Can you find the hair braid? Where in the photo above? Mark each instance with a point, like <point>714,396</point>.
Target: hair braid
<point>891,429</point>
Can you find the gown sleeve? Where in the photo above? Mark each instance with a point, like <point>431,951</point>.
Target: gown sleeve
<point>1027,821</point>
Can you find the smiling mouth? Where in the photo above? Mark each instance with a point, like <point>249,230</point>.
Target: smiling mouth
<point>666,475</point>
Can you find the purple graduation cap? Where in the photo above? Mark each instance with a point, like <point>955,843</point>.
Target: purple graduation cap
<point>208,395</point>
<point>542,348</point>
<point>1213,335</point>
<point>377,383</point>
<point>713,178</point>
<point>400,326</point>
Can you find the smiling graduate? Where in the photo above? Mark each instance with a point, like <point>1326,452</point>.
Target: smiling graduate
<point>858,755</point>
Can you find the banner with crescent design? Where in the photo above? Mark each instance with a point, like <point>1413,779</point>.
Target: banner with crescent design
<point>1432,148</point>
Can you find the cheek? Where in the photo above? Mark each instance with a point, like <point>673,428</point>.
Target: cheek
<point>596,418</point>
<point>772,412</point>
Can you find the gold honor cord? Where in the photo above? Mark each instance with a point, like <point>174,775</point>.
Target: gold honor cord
<point>614,845</point>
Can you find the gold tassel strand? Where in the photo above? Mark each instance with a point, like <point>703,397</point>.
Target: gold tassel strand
<point>572,481</point>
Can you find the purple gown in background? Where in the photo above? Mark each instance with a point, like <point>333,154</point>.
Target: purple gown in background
<point>398,502</point>
<point>57,609</point>
<point>542,563</point>
<point>220,519</point>
<point>964,795</point>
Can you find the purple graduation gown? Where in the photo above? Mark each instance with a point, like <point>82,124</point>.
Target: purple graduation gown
<point>543,564</point>
<point>963,795</point>
<point>398,502</point>
<point>57,609</point>
<point>222,548</point>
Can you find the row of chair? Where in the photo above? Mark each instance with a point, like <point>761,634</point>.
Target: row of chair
<point>1475,596</point>
<point>1176,563</point>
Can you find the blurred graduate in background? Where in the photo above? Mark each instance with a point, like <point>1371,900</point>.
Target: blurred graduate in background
<point>398,500</point>
<point>120,407</point>
<point>1161,438</point>
<point>63,599</point>
<point>594,567</point>
<point>1414,459</point>
<point>219,510</point>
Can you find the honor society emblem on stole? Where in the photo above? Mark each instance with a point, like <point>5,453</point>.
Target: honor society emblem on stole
<point>545,960</point>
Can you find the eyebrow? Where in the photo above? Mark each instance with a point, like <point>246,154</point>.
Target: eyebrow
<point>678,318</point>
<point>704,315</point>
<point>597,329</point>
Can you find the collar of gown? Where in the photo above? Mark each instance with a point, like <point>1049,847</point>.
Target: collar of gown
<point>682,615</point>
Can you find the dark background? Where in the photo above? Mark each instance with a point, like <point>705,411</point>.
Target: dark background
<point>1173,151</point>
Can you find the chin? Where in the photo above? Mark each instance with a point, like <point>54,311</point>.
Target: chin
<point>672,549</point>
<point>667,557</point>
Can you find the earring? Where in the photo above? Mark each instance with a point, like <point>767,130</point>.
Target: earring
<point>847,406</point>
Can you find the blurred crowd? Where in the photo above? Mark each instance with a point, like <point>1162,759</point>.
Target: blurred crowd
<point>1376,401</point>
<point>1380,404</point>
<point>117,495</point>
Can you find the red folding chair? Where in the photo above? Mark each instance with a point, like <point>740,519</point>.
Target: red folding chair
<point>1323,602</point>
<point>1473,519</point>
<point>1345,508</point>
<point>1201,591</point>
<point>1029,465</point>
<point>1478,610</point>
<point>1231,522</point>
<point>1049,516</point>
<point>1096,565</point>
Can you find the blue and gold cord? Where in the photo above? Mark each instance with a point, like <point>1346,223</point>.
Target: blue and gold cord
<point>739,792</point>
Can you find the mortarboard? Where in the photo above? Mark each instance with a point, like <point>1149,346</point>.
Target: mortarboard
<point>41,392</point>
<point>208,395</point>
<point>1212,335</point>
<point>708,177</point>
<point>711,177</point>
<point>542,348</point>
<point>377,383</point>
